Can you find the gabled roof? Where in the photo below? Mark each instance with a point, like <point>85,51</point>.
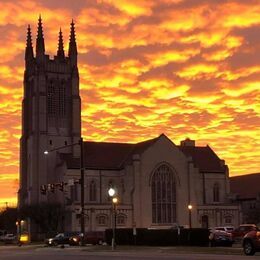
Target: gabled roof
<point>246,186</point>
<point>114,156</point>
<point>106,155</point>
<point>204,158</point>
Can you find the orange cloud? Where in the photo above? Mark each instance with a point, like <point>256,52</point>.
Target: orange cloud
<point>185,68</point>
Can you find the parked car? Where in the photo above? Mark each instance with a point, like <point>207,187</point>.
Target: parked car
<point>95,237</point>
<point>251,242</point>
<point>243,229</point>
<point>71,238</point>
<point>228,229</point>
<point>2,234</point>
<point>9,238</point>
<point>220,238</point>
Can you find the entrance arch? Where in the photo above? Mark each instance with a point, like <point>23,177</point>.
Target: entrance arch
<point>205,221</point>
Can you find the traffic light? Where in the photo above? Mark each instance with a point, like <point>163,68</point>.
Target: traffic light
<point>61,186</point>
<point>51,187</point>
<point>43,189</point>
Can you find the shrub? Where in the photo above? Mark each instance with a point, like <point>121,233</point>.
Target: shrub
<point>159,237</point>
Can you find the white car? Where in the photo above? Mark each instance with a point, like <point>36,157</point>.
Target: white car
<point>9,238</point>
<point>228,229</point>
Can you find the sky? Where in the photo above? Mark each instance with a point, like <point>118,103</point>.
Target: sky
<point>185,68</point>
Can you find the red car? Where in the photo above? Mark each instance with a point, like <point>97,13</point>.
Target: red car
<point>243,229</point>
<point>251,242</point>
<point>95,237</point>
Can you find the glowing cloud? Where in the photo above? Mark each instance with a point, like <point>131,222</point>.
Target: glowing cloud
<point>185,68</point>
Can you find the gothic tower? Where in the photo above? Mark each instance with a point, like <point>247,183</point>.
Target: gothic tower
<point>51,113</point>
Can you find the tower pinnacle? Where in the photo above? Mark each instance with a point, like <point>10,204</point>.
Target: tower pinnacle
<point>60,51</point>
<point>72,45</point>
<point>40,47</point>
<point>29,48</point>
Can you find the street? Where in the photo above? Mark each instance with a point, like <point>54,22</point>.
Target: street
<point>90,253</point>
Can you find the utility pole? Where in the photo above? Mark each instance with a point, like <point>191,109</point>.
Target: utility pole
<point>82,183</point>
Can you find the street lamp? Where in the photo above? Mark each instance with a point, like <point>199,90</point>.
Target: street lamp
<point>112,193</point>
<point>82,181</point>
<point>190,208</point>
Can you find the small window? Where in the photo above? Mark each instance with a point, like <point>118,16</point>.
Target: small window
<point>228,219</point>
<point>66,143</point>
<point>216,192</point>
<point>50,142</point>
<point>121,220</point>
<point>74,192</point>
<point>92,191</point>
<point>102,220</point>
<point>252,206</point>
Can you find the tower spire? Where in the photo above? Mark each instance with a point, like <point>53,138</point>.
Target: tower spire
<point>40,47</point>
<point>72,45</point>
<point>29,48</point>
<point>60,51</point>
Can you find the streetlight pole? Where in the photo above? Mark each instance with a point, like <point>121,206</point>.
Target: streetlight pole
<point>114,202</point>
<point>190,208</point>
<point>111,193</point>
<point>82,191</point>
<point>82,183</point>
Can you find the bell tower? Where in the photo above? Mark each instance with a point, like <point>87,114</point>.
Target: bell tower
<point>51,112</point>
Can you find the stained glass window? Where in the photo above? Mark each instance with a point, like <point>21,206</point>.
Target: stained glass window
<point>163,195</point>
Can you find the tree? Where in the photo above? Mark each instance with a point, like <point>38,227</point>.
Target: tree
<point>47,216</point>
<point>8,218</point>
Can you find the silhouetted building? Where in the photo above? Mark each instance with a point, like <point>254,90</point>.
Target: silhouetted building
<point>246,191</point>
<point>155,180</point>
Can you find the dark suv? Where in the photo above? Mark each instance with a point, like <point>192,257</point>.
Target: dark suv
<point>251,242</point>
<point>71,238</point>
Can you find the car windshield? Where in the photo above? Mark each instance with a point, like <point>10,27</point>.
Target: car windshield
<point>220,229</point>
<point>230,229</point>
<point>59,235</point>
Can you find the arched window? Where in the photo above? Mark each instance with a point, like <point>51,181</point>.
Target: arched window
<point>74,192</point>
<point>86,219</point>
<point>92,191</point>
<point>216,192</point>
<point>102,220</point>
<point>121,219</point>
<point>51,102</point>
<point>62,99</point>
<point>228,219</point>
<point>163,195</point>
<point>204,221</point>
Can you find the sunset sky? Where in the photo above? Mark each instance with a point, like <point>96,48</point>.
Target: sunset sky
<point>185,68</point>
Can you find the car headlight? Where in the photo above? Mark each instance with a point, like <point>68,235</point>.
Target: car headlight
<point>75,239</point>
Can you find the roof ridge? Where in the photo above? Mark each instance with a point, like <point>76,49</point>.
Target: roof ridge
<point>135,147</point>
<point>101,142</point>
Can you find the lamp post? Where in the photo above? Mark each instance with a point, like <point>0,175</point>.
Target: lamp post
<point>82,181</point>
<point>111,193</point>
<point>190,208</point>
<point>18,228</point>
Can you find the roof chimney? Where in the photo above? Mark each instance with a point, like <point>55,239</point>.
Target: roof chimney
<point>188,142</point>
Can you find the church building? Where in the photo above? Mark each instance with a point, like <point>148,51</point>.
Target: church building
<point>155,180</point>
